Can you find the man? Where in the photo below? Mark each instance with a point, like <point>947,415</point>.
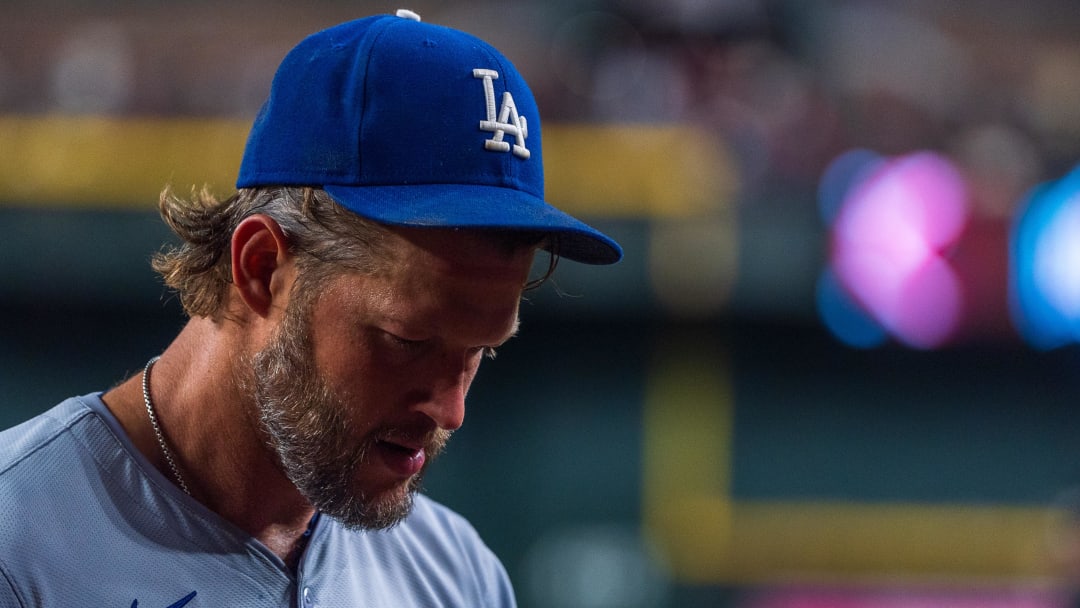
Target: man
<point>390,204</point>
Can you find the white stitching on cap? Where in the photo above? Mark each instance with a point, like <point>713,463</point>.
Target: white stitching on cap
<point>507,121</point>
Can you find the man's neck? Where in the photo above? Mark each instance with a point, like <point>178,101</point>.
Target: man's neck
<point>212,431</point>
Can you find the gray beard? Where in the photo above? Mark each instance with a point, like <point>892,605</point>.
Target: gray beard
<point>304,427</point>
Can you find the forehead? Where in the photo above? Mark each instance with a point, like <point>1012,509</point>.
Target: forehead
<point>462,253</point>
<point>438,282</point>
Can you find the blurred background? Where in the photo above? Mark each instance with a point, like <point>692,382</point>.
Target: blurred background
<point>836,368</point>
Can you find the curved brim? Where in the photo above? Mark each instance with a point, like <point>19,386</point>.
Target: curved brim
<point>481,207</point>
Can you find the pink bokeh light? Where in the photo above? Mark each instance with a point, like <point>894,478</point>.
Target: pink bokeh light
<point>900,598</point>
<point>890,246</point>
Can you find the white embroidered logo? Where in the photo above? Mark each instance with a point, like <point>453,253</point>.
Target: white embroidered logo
<point>506,121</point>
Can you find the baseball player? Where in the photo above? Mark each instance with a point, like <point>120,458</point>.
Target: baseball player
<point>390,203</point>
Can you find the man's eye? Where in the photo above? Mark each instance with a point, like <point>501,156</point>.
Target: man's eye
<point>403,343</point>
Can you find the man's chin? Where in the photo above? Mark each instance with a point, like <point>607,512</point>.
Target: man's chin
<point>376,511</point>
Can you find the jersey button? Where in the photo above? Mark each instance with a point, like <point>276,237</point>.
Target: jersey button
<point>309,598</point>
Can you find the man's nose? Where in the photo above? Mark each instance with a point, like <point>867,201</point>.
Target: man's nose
<point>446,400</point>
<point>446,406</point>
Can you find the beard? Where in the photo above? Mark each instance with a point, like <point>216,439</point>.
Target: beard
<point>307,427</point>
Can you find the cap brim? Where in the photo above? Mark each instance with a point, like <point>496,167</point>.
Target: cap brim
<point>480,207</point>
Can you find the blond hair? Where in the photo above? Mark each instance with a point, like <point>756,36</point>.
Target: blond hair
<point>324,237</point>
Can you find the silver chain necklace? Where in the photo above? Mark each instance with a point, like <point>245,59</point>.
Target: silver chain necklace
<point>157,428</point>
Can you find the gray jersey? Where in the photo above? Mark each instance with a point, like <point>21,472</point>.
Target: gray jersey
<point>85,520</point>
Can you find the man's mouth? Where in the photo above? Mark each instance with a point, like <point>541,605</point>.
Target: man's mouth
<point>404,458</point>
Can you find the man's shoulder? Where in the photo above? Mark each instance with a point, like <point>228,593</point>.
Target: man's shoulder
<point>434,523</point>
<point>42,465</point>
<point>428,511</point>
<point>27,440</point>
<point>434,556</point>
<point>432,534</point>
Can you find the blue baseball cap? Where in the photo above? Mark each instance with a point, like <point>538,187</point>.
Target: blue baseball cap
<point>412,124</point>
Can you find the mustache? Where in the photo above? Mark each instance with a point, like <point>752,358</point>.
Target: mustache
<point>428,437</point>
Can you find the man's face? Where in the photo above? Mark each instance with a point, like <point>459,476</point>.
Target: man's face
<point>363,382</point>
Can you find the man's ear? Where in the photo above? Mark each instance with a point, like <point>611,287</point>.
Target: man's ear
<point>262,268</point>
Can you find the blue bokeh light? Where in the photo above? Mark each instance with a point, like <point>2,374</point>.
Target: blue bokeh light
<point>1045,254</point>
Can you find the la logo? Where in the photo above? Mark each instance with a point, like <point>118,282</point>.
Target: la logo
<point>506,121</point>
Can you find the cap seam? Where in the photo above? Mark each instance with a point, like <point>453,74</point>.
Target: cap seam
<point>369,54</point>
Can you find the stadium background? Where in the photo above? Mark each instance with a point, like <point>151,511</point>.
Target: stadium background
<point>697,426</point>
